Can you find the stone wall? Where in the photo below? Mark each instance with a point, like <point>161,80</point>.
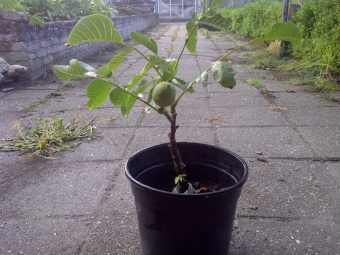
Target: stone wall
<point>37,48</point>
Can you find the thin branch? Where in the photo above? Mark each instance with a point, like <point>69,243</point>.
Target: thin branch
<point>176,156</point>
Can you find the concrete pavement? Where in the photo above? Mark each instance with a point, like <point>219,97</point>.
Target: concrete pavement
<point>81,202</point>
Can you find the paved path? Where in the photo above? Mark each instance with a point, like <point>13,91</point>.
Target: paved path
<point>81,203</point>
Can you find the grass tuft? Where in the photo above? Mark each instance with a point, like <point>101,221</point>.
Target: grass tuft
<point>48,136</point>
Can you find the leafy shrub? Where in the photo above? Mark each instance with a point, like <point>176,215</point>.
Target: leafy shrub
<point>49,10</point>
<point>252,19</point>
<point>319,21</point>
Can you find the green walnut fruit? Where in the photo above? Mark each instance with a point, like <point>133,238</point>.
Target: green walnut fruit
<point>164,94</point>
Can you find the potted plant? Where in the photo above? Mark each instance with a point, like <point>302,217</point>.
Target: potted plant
<point>185,193</point>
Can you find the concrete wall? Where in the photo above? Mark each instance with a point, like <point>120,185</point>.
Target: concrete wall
<point>37,48</point>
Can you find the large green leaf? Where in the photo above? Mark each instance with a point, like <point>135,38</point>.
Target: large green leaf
<point>114,63</point>
<point>92,28</point>
<point>76,69</point>
<point>192,39</point>
<point>286,31</point>
<point>145,40</point>
<point>217,21</point>
<point>223,74</point>
<point>97,92</point>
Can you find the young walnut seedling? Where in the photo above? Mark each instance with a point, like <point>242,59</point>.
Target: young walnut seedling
<point>161,89</point>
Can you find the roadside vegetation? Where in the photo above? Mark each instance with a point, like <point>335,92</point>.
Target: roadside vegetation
<point>315,61</point>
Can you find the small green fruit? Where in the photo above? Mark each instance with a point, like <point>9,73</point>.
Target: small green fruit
<point>164,94</point>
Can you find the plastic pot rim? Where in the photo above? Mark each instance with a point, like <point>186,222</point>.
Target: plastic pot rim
<point>142,186</point>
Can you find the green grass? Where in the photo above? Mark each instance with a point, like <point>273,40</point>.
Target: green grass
<point>255,82</point>
<point>170,49</point>
<point>37,102</point>
<point>297,73</point>
<point>70,83</point>
<point>48,136</point>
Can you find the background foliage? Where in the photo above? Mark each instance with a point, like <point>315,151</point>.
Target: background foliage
<point>251,20</point>
<point>319,21</point>
<point>49,10</point>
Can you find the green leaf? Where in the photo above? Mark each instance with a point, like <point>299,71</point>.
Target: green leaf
<point>145,40</point>
<point>92,28</point>
<point>126,108</point>
<point>215,3</point>
<point>196,16</point>
<point>97,92</point>
<point>76,69</point>
<point>182,84</point>
<point>192,39</point>
<point>167,68</point>
<point>114,63</point>
<point>119,96</point>
<point>179,83</point>
<point>8,4</point>
<point>223,74</point>
<point>286,31</point>
<point>202,77</point>
<point>147,108</point>
<point>217,21</point>
<point>138,77</point>
<point>37,20</point>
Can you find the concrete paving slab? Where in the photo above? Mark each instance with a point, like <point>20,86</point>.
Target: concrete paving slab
<point>288,189</point>
<point>64,101</point>
<point>28,94</point>
<point>277,86</point>
<point>15,105</point>
<point>325,140</point>
<point>334,170</point>
<point>239,99</point>
<point>115,231</point>
<point>249,116</point>
<point>279,236</point>
<point>115,139</point>
<point>54,189</point>
<point>302,99</point>
<point>7,121</point>
<point>198,99</point>
<point>43,236</point>
<point>315,115</point>
<point>273,142</point>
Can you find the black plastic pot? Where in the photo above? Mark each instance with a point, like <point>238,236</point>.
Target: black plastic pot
<point>181,224</point>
